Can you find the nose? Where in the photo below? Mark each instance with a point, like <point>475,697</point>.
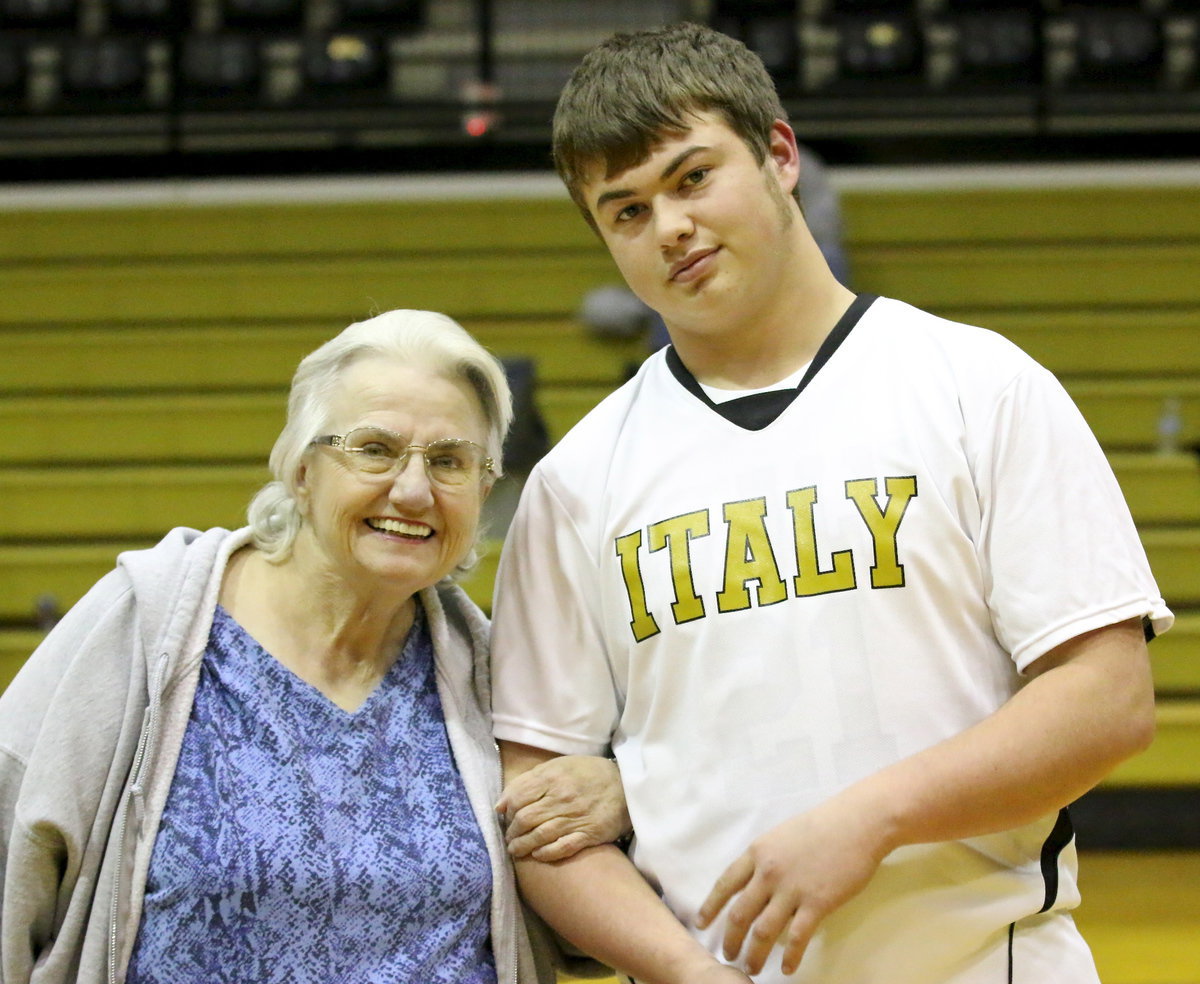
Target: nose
<point>673,222</point>
<point>411,484</point>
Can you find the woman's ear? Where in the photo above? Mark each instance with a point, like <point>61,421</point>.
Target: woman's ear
<point>301,486</point>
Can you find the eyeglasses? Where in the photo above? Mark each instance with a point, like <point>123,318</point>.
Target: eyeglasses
<point>450,462</point>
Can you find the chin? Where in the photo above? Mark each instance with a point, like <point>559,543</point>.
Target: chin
<point>392,570</point>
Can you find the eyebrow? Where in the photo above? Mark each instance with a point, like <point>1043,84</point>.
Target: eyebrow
<point>673,165</point>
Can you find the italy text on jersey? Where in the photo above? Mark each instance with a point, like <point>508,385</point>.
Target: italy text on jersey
<point>750,555</point>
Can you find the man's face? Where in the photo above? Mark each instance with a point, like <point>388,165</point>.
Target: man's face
<point>700,228</point>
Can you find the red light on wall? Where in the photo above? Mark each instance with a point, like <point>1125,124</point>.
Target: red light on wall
<point>478,124</point>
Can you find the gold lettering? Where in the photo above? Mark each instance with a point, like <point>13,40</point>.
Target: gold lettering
<point>642,623</point>
<point>748,557</point>
<point>887,571</point>
<point>810,579</point>
<point>677,533</point>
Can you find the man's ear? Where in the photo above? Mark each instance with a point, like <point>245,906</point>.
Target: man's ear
<point>784,155</point>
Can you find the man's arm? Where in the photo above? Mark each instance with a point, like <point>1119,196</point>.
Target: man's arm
<point>1088,706</point>
<point>598,901</point>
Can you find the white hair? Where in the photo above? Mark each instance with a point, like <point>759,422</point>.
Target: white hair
<point>421,338</point>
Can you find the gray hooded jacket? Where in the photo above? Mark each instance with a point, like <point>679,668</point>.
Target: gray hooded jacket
<point>90,731</point>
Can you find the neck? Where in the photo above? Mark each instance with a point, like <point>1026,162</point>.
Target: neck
<point>340,640</point>
<point>774,337</point>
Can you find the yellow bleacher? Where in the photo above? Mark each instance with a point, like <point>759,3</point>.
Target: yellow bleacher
<point>147,348</point>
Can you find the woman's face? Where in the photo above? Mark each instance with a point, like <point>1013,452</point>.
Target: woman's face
<point>406,530</point>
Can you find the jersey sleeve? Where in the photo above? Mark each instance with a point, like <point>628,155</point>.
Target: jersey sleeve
<point>551,683</point>
<point>1059,548</point>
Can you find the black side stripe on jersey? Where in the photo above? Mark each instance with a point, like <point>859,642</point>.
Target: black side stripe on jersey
<point>1062,835</point>
<point>1148,629</point>
<point>758,410</point>
<point>1012,927</point>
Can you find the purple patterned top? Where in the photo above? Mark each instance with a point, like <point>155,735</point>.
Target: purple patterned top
<point>302,843</point>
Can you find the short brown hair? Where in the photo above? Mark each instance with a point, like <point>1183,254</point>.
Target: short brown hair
<point>633,89</point>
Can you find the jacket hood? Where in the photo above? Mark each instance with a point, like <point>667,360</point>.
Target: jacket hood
<point>171,582</point>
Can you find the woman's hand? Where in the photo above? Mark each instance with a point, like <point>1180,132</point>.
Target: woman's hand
<point>567,803</point>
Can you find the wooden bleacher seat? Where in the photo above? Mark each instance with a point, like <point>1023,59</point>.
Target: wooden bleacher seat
<point>1160,488</point>
<point>148,349</point>
<point>1131,414</point>
<point>1176,658</point>
<point>1173,554</point>
<point>1117,342</point>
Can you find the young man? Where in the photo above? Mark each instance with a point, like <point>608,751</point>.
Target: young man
<point>850,591</point>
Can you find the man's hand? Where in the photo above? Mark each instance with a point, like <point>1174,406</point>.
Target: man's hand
<point>789,880</point>
<point>1088,704</point>
<point>562,806</point>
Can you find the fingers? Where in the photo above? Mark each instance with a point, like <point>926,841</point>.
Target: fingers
<point>554,840</point>
<point>762,914</point>
<point>521,792</point>
<point>758,921</point>
<point>526,821</point>
<point>527,840</point>
<point>742,920</point>
<point>775,923</point>
<point>799,934</point>
<point>561,806</point>
<point>564,847</point>
<point>525,805</point>
<point>732,881</point>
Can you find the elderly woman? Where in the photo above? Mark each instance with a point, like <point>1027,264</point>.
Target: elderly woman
<point>266,755</point>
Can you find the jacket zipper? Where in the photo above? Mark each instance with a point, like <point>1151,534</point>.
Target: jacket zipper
<point>513,904</point>
<point>134,796</point>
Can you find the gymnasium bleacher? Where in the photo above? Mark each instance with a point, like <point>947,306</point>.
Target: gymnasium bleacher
<point>148,346</point>
<point>149,328</point>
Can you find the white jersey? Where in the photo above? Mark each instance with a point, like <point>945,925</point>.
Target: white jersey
<point>755,615</point>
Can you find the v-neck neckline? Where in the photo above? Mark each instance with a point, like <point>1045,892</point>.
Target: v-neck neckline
<point>758,410</point>
<point>263,664</point>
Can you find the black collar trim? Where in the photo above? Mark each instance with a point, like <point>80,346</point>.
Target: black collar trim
<point>756,411</point>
